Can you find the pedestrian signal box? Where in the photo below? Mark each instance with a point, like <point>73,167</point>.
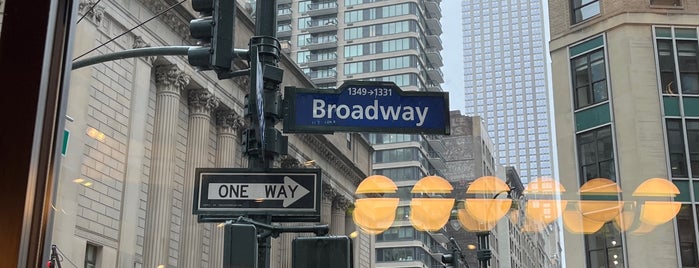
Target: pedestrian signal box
<point>322,252</point>
<point>240,246</point>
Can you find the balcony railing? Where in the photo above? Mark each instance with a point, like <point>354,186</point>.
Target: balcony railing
<point>325,25</point>
<point>284,14</point>
<point>433,26</point>
<point>325,8</point>
<point>323,76</point>
<point>433,10</point>
<point>284,30</point>
<point>436,143</point>
<point>435,58</point>
<point>435,75</point>
<point>321,42</point>
<point>321,60</point>
<point>434,42</point>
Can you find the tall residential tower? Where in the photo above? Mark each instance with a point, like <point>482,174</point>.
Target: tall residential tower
<point>371,40</point>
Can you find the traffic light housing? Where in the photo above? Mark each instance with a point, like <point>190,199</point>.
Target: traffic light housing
<point>448,259</point>
<point>240,246</point>
<point>321,252</point>
<point>215,32</point>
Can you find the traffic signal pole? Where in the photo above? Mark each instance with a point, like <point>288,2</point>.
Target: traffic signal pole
<point>262,142</point>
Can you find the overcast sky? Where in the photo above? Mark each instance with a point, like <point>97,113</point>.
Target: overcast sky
<point>453,54</point>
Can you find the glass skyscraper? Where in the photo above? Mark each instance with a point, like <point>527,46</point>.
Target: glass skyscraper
<point>505,80</point>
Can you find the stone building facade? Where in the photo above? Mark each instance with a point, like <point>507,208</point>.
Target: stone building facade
<point>137,130</point>
<point>624,87</point>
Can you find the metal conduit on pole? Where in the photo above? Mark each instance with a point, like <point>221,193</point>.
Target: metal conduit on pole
<point>263,143</point>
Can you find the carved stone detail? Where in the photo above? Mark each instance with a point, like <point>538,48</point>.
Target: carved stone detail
<point>138,42</point>
<point>328,192</point>
<point>328,155</point>
<point>93,11</point>
<point>287,161</point>
<point>175,21</point>
<point>202,101</point>
<point>242,82</point>
<point>228,119</point>
<point>341,203</point>
<point>170,78</point>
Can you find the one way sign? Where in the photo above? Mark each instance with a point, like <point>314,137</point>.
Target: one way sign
<point>289,191</point>
<point>237,192</point>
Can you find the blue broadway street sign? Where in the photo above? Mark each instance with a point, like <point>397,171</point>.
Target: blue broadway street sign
<point>362,106</point>
<point>278,192</point>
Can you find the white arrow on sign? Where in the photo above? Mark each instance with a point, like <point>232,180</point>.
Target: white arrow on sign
<point>289,191</point>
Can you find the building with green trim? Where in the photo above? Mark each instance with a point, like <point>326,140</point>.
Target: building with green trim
<point>626,107</point>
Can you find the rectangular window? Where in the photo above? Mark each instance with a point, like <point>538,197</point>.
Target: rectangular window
<point>302,56</point>
<point>303,39</point>
<point>283,27</point>
<point>685,232</point>
<point>596,154</point>
<point>666,66</point>
<point>666,2</point>
<point>678,60</point>
<point>352,16</point>
<point>675,140</point>
<point>604,247</point>
<point>689,69</point>
<point>693,145</point>
<point>589,78</point>
<point>583,9</point>
<point>91,255</point>
<point>402,174</point>
<point>304,22</point>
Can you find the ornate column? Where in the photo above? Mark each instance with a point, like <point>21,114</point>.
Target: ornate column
<point>138,115</point>
<point>169,82</point>
<point>326,203</point>
<point>340,205</point>
<point>227,125</point>
<point>201,104</point>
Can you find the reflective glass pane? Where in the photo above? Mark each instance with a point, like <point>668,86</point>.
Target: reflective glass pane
<point>597,70</point>
<point>582,99</point>
<point>599,91</point>
<point>690,83</point>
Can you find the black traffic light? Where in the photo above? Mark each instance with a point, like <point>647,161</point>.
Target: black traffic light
<point>240,246</point>
<point>321,252</point>
<point>215,31</point>
<point>448,259</point>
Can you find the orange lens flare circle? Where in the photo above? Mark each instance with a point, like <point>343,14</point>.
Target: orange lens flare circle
<point>431,214</point>
<point>657,207</point>
<point>606,204</point>
<point>375,215</point>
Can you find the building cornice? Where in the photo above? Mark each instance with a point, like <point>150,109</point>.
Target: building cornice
<point>605,23</point>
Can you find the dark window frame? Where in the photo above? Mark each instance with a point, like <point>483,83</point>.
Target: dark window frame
<point>92,255</point>
<point>611,242</point>
<point>578,7</point>
<point>692,132</point>
<point>587,81</point>
<point>664,3</point>
<point>676,148</point>
<point>687,243</point>
<point>688,65</point>
<point>592,157</point>
<point>677,61</point>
